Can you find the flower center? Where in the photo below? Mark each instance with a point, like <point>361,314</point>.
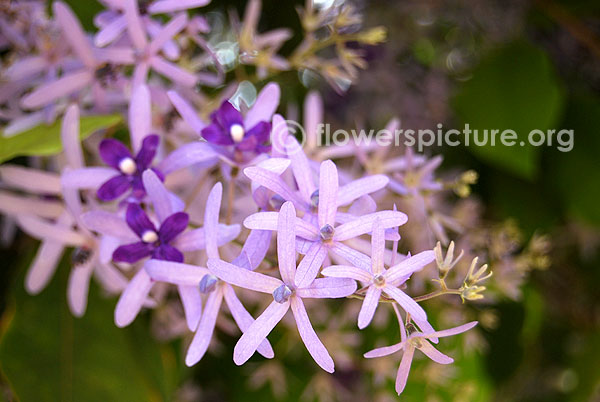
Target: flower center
<point>327,232</point>
<point>149,236</point>
<point>127,166</point>
<point>416,342</point>
<point>208,283</point>
<point>379,280</point>
<point>314,198</point>
<point>237,132</point>
<point>282,294</point>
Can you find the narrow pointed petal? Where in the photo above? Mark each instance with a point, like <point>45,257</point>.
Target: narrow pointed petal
<point>328,193</point>
<point>243,319</point>
<point>258,331</point>
<point>265,105</point>
<point>15,205</point>
<point>186,156</point>
<point>211,220</point>
<point>147,152</point>
<point>132,299</point>
<point>175,272</point>
<point>65,85</point>
<point>137,220</point>
<point>286,242</point>
<point>192,305</point>
<point>384,351</point>
<point>133,252</point>
<point>170,6</point>
<point>301,168</point>
<point>73,32</point>
<point>186,111</point>
<point>42,229</point>
<point>353,257</point>
<point>408,266</point>
<point>43,267</point>
<point>434,354</point>
<point>206,328</point>
<point>367,311</point>
<point>139,116</point>
<point>313,116</point>
<point>70,137</point>
<point>135,28</point>
<point>254,250</point>
<point>30,180</point>
<point>168,31</point>
<point>357,188</point>
<point>110,32</point>
<point>243,278</point>
<point>346,271</point>
<point>312,342</point>
<point>452,331</point>
<point>404,369</point>
<point>309,267</point>
<point>174,72</point>
<point>377,247</point>
<point>273,182</point>
<point>78,287</point>
<point>364,224</point>
<point>172,226</point>
<point>328,288</point>
<point>108,224</point>
<point>406,302</point>
<point>193,240</point>
<point>158,194</point>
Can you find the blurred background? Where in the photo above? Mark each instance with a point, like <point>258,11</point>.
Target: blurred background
<point>493,64</point>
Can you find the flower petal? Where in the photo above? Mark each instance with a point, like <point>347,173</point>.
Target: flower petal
<point>133,252</point>
<point>406,302</point>
<point>170,6</point>
<point>43,266</point>
<point>133,297</point>
<point>137,219</point>
<point>404,369</point>
<point>211,220</point>
<point>258,331</point>
<point>312,342</point>
<point>113,152</point>
<point>78,287</point>
<point>354,257</point>
<point>243,319</point>
<point>70,137</point>
<point>87,178</point>
<point>113,188</point>
<point>328,193</point>
<point>187,155</point>
<point>309,267</point>
<point>346,271</point>
<point>31,180</point>
<point>108,224</point>
<point>175,273</point>
<point>147,152</point>
<point>42,229</point>
<point>401,271</point>
<point>286,242</point>
<point>186,111</point>
<point>434,354</point>
<point>377,247</point>
<point>369,306</point>
<point>360,187</point>
<point>364,224</point>
<point>243,278</point>
<point>206,327</point>
<point>328,288</point>
<point>73,32</point>
<point>452,331</point>
<point>254,250</point>
<point>265,105</point>
<point>140,117</point>
<point>273,182</point>
<point>45,94</point>
<point>192,305</point>
<point>384,351</point>
<point>167,252</point>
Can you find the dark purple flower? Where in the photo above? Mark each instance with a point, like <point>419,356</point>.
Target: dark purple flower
<point>227,128</point>
<point>154,243</point>
<point>118,156</point>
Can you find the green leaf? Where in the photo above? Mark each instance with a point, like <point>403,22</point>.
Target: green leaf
<point>45,139</point>
<point>48,355</point>
<point>514,88</point>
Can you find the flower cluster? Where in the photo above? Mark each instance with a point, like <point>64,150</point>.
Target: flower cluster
<point>147,213</point>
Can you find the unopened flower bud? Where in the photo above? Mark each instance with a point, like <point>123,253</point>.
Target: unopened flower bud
<point>208,283</point>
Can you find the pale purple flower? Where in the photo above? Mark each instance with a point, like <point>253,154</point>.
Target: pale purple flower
<point>286,292</point>
<point>253,252</point>
<point>97,68</point>
<point>378,280</point>
<point>147,52</point>
<point>320,233</point>
<point>417,340</point>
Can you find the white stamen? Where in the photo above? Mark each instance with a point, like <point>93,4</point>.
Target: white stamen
<point>127,166</point>
<point>149,236</point>
<point>237,132</point>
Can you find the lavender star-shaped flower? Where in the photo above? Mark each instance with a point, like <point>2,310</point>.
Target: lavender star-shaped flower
<point>381,280</point>
<point>417,340</point>
<point>130,168</point>
<point>286,293</point>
